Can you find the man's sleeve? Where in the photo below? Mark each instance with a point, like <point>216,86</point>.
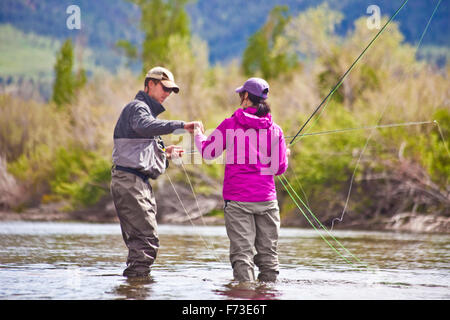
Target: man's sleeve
<point>146,125</point>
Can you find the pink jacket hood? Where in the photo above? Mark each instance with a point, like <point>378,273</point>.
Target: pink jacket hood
<point>247,119</point>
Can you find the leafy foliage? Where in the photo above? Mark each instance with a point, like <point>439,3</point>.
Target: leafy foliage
<point>264,53</point>
<point>433,149</point>
<point>79,176</point>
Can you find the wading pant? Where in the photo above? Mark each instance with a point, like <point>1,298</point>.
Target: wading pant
<point>136,208</point>
<point>253,227</point>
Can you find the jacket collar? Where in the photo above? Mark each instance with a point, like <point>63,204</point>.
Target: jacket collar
<point>155,107</point>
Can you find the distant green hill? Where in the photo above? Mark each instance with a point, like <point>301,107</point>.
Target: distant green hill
<point>225,25</point>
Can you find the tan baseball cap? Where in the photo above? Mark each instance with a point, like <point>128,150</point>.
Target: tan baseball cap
<point>165,76</point>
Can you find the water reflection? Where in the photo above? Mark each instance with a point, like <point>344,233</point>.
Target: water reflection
<point>135,288</point>
<point>250,290</point>
<point>86,261</point>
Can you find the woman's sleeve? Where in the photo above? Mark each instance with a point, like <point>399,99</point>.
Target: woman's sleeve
<point>212,146</point>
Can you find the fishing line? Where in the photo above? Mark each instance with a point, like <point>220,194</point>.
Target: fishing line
<point>382,126</point>
<point>351,180</point>
<point>195,196</point>
<point>320,234</point>
<point>190,219</point>
<point>321,225</point>
<point>193,192</point>
<point>340,219</point>
<point>316,229</point>
<point>326,101</point>
<point>320,133</point>
<point>442,137</point>
<point>327,98</point>
<point>428,24</point>
<point>300,185</point>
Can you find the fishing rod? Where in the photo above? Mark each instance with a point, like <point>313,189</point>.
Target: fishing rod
<point>338,84</point>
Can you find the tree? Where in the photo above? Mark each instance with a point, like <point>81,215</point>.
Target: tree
<point>63,87</point>
<point>66,83</point>
<point>160,19</point>
<point>130,51</point>
<point>266,52</point>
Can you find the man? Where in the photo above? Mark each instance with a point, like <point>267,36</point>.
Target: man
<point>133,157</point>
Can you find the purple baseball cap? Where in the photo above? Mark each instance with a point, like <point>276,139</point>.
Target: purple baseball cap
<point>257,86</point>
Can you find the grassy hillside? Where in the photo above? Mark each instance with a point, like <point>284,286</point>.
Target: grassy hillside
<point>22,54</point>
<point>29,58</point>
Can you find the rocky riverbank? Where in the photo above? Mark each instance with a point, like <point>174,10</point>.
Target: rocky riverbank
<point>403,222</point>
<point>208,209</point>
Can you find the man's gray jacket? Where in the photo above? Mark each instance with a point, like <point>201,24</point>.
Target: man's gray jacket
<point>135,129</point>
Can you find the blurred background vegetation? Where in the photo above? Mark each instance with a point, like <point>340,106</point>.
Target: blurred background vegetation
<point>62,92</point>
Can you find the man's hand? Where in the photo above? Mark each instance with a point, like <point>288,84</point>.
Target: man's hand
<point>174,152</point>
<point>194,126</point>
<point>288,152</point>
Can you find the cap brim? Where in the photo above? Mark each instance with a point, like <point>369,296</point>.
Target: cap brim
<point>171,84</point>
<point>240,89</point>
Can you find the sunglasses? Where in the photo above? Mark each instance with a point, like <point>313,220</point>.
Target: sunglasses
<point>165,88</point>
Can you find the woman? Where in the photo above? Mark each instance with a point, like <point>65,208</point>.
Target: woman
<point>256,151</point>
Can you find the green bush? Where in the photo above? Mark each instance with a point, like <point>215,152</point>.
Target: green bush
<point>81,177</point>
<point>433,150</point>
<point>321,165</point>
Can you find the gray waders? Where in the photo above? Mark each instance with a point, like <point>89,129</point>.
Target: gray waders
<point>253,229</point>
<point>136,208</point>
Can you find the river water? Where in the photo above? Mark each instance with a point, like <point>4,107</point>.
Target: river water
<point>41,260</point>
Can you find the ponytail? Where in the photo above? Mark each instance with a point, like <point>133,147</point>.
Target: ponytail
<point>263,107</point>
